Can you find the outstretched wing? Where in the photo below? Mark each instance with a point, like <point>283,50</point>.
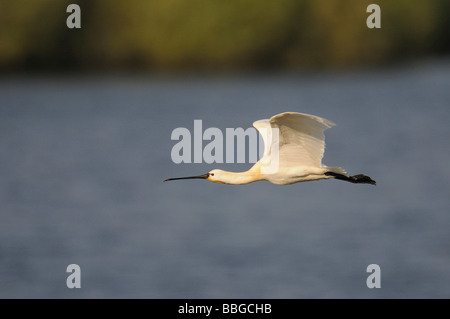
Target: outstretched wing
<point>265,129</point>
<point>301,138</point>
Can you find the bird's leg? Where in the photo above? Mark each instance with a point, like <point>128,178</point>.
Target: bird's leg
<point>362,179</point>
<point>355,179</point>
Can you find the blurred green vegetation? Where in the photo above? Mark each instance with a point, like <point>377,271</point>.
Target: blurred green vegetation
<point>176,35</point>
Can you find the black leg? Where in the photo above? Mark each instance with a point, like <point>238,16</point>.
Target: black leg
<point>356,179</point>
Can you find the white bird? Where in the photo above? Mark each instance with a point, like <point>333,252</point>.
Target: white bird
<point>295,156</point>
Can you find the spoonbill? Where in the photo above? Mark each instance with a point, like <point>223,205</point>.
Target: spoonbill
<point>297,151</point>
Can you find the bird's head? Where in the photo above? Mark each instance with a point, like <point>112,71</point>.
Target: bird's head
<point>216,176</point>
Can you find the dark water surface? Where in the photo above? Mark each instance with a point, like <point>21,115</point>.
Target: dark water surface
<point>82,162</point>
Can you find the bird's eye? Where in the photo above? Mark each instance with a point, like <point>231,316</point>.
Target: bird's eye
<point>212,174</point>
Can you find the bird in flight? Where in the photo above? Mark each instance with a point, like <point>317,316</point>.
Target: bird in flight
<point>294,144</point>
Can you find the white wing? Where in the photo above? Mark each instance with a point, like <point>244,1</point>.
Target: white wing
<point>301,139</point>
<point>265,129</point>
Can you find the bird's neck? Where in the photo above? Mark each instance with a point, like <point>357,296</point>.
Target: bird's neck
<point>252,175</point>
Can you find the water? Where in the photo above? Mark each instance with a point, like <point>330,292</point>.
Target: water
<point>83,159</point>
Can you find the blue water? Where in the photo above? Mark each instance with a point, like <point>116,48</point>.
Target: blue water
<point>82,161</point>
